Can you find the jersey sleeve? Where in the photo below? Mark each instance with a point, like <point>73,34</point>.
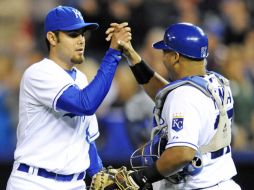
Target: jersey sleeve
<point>93,129</point>
<point>95,160</point>
<point>181,112</point>
<point>45,82</point>
<point>85,101</point>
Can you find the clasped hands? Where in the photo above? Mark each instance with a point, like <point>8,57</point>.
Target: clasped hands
<point>120,36</point>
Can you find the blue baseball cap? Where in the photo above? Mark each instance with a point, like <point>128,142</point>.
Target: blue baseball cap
<point>64,18</point>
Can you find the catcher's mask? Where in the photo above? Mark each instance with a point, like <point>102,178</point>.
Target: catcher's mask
<point>151,151</point>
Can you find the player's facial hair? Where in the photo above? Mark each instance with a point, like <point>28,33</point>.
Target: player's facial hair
<point>77,60</point>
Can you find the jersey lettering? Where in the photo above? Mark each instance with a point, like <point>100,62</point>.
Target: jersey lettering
<point>221,94</point>
<point>229,100</point>
<point>230,116</point>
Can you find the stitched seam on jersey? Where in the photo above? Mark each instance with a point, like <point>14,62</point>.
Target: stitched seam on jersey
<point>58,95</point>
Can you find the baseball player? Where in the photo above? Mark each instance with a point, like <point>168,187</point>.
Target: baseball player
<point>57,123</point>
<point>195,112</point>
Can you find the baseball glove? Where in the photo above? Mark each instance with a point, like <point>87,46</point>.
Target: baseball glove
<point>124,181</point>
<point>104,179</point>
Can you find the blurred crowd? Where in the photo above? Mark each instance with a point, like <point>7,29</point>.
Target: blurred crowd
<point>228,23</point>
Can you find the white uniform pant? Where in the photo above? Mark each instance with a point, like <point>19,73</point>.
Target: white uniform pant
<point>225,185</point>
<point>19,180</point>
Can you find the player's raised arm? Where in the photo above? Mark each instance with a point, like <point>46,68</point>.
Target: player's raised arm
<point>151,81</point>
<point>86,101</point>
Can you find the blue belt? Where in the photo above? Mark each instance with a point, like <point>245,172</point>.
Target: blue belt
<point>51,175</point>
<point>220,152</point>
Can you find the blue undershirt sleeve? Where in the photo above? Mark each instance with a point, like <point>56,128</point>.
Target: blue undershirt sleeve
<point>86,101</point>
<point>95,161</point>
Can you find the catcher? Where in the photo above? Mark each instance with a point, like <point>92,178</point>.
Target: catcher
<point>190,144</point>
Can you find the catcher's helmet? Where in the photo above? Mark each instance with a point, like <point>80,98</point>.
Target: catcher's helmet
<point>186,39</point>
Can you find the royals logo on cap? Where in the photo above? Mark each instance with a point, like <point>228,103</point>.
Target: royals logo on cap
<point>177,122</point>
<point>64,18</point>
<point>78,14</point>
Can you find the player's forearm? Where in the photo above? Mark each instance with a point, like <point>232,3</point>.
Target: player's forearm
<point>144,74</point>
<point>173,159</point>
<point>155,84</point>
<point>169,163</point>
<point>86,101</point>
<point>95,92</point>
<point>151,81</point>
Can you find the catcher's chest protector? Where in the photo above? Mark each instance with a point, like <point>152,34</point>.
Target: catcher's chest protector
<point>222,137</point>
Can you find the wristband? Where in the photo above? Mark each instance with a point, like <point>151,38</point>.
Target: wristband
<point>152,174</point>
<point>142,72</point>
<point>147,175</point>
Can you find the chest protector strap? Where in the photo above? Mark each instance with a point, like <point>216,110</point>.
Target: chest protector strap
<point>222,137</point>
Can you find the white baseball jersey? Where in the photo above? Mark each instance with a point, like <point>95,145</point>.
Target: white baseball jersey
<point>46,137</point>
<point>192,117</point>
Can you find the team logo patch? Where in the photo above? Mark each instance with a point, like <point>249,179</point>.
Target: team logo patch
<point>177,122</point>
